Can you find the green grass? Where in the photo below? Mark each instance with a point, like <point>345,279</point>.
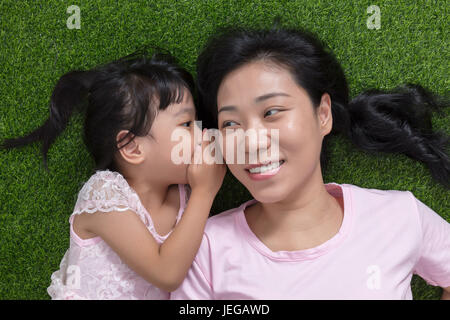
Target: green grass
<point>37,47</point>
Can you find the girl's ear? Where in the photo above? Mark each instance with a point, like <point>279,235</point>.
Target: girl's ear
<point>324,114</point>
<point>129,148</point>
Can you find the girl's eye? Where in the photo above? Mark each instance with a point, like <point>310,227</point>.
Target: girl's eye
<point>187,124</point>
<point>268,113</point>
<point>227,123</point>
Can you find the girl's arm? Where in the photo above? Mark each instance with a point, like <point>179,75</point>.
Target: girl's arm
<point>166,265</point>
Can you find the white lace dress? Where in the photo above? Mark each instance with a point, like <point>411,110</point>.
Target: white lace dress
<point>90,269</point>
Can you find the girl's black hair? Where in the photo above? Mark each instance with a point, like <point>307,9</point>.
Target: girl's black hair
<point>125,94</point>
<point>396,121</point>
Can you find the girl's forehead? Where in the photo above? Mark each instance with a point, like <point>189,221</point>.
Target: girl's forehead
<point>179,109</point>
<point>186,101</point>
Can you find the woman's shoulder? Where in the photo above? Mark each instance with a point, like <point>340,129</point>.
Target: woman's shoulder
<point>226,221</point>
<point>392,203</point>
<point>375,194</point>
<point>222,233</point>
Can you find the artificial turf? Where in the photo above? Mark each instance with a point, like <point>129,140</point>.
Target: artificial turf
<point>37,47</point>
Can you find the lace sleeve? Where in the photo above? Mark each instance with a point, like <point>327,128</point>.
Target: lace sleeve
<point>105,191</point>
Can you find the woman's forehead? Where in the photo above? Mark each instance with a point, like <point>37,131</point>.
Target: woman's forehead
<point>254,82</point>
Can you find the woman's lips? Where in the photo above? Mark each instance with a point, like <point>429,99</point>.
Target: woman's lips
<point>264,172</point>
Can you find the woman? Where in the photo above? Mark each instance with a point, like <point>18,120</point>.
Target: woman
<point>300,238</point>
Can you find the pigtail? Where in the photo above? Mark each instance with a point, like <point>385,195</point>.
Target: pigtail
<point>399,121</point>
<point>68,95</point>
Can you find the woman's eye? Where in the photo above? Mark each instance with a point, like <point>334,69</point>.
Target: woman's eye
<point>227,123</point>
<point>187,124</point>
<point>269,113</point>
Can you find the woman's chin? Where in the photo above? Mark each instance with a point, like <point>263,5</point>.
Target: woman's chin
<point>268,195</point>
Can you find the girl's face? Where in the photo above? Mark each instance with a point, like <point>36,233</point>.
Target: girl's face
<point>180,117</point>
<point>154,152</point>
<point>261,95</point>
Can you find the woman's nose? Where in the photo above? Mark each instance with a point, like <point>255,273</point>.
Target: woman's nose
<point>257,142</point>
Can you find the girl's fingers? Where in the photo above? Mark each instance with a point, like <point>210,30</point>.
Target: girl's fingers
<point>199,155</point>
<point>207,156</point>
<point>199,146</point>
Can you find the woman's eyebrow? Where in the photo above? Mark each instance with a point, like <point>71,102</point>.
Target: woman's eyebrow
<point>227,108</point>
<point>257,100</point>
<point>270,95</point>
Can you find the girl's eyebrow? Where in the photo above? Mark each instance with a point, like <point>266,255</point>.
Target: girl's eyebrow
<point>257,100</point>
<point>184,110</point>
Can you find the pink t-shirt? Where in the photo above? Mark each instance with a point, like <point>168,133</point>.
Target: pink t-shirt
<point>385,237</point>
<point>90,269</point>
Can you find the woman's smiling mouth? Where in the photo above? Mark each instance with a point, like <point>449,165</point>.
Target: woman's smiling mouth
<point>263,172</point>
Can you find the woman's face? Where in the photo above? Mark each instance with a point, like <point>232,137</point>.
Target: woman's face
<point>261,95</point>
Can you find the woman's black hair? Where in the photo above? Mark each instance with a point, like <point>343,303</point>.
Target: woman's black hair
<point>396,121</point>
<point>125,94</point>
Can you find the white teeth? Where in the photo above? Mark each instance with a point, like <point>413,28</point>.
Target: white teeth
<point>266,168</point>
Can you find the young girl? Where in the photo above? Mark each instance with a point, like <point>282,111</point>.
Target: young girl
<point>123,244</point>
<point>300,238</point>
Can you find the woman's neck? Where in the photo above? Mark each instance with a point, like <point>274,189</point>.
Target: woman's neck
<point>307,217</point>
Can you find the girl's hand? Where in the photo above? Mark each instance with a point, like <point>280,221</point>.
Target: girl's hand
<point>203,177</point>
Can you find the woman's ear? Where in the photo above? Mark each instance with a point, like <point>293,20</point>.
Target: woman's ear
<point>129,148</point>
<point>324,114</point>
